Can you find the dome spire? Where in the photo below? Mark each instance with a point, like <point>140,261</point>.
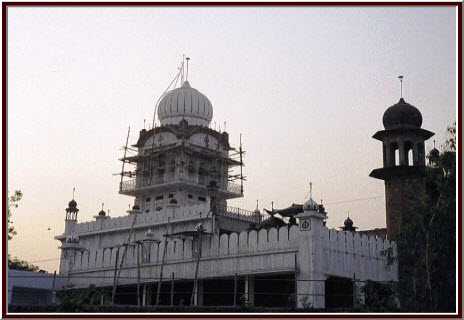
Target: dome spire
<point>401,85</point>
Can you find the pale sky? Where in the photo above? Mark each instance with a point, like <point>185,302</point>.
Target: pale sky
<point>306,87</point>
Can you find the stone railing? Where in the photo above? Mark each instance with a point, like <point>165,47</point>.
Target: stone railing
<point>137,184</point>
<point>142,219</point>
<point>240,214</point>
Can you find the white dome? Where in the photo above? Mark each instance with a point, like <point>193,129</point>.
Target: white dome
<point>185,103</point>
<point>310,205</point>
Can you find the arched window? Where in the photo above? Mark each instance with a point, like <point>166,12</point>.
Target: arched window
<point>408,153</point>
<point>394,154</point>
<point>420,154</point>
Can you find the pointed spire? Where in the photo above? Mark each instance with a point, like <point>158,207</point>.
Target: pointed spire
<point>257,204</point>
<point>311,190</point>
<point>401,85</point>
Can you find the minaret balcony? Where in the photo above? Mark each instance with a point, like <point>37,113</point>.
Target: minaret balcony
<point>134,186</point>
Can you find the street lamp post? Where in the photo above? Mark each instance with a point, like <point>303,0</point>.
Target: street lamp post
<point>139,243</point>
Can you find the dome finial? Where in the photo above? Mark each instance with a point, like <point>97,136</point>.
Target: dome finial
<point>401,85</point>
<point>256,204</point>
<point>311,190</point>
<point>74,189</point>
<point>434,144</point>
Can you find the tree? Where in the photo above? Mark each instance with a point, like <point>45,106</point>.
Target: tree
<point>13,203</point>
<point>16,263</point>
<point>427,239</point>
<point>76,300</point>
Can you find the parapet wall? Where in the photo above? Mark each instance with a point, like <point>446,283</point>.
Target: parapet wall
<point>343,253</point>
<point>179,249</point>
<point>143,218</point>
<point>349,254</point>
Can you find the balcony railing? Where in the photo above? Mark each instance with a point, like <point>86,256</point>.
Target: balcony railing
<point>137,184</point>
<point>241,214</point>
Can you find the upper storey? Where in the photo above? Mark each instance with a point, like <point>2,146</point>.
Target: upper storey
<point>403,142</point>
<point>185,103</point>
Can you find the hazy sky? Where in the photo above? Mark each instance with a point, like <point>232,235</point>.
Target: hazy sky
<point>306,87</point>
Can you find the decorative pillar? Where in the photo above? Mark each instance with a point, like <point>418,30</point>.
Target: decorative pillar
<point>148,291</point>
<point>144,294</point>
<point>311,276</point>
<point>250,290</point>
<point>199,294</point>
<point>403,156</point>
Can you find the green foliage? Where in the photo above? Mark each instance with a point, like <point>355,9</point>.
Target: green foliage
<point>389,256</point>
<point>450,143</point>
<point>427,239</point>
<point>305,302</point>
<point>243,301</point>
<point>13,203</point>
<point>379,297</point>
<point>18,264</point>
<point>75,300</point>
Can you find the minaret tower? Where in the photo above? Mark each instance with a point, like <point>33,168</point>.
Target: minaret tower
<point>71,216</point>
<point>403,160</point>
<point>70,246</point>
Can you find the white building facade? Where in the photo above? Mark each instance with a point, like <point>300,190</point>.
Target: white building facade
<point>181,234</point>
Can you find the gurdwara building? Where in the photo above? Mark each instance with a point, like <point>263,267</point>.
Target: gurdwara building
<point>181,244</point>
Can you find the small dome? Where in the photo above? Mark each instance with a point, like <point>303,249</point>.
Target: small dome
<point>102,213</point>
<point>402,115</point>
<point>72,204</point>
<point>273,222</point>
<point>348,223</point>
<point>185,103</point>
<point>434,153</point>
<point>199,227</point>
<point>149,234</point>
<point>310,205</point>
<point>135,207</point>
